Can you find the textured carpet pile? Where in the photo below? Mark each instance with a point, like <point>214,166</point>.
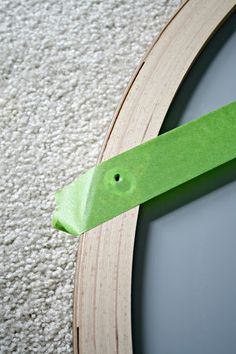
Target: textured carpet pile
<point>63,68</point>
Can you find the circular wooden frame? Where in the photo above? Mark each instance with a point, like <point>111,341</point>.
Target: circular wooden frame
<point>102,297</point>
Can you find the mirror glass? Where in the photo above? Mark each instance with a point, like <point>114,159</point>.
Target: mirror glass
<point>184,272</point>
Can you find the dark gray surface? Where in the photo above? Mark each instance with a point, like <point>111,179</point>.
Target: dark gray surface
<point>184,277</point>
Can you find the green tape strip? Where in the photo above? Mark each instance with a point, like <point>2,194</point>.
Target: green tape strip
<point>147,171</point>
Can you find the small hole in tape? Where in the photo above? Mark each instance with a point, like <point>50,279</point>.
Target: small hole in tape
<point>117,177</point>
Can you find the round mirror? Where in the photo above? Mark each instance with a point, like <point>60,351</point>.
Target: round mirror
<point>184,284</point>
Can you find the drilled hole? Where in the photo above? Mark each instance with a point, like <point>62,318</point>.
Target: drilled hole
<point>117,177</point>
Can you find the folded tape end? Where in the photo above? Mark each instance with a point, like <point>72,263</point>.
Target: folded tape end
<point>57,220</point>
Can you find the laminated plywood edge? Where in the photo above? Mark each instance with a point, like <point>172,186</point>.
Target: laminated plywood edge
<point>102,295</point>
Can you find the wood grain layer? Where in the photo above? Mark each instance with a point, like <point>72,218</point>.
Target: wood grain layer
<point>102,299</point>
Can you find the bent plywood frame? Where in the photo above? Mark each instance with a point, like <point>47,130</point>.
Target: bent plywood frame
<point>102,299</point>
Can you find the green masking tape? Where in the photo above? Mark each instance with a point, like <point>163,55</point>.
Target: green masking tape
<point>146,171</point>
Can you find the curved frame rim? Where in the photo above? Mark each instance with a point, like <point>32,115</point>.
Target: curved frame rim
<point>102,297</point>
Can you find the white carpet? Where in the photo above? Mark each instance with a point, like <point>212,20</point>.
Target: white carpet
<point>63,68</point>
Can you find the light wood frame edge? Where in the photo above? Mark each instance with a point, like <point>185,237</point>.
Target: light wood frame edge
<point>102,296</point>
